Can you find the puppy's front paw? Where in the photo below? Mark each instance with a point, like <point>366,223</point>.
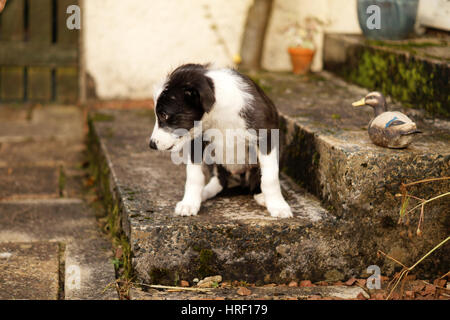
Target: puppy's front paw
<point>187,208</point>
<point>279,209</point>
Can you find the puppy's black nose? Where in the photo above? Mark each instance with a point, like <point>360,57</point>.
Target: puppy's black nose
<point>153,145</point>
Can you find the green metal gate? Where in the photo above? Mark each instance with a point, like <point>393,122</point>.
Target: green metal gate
<point>38,53</point>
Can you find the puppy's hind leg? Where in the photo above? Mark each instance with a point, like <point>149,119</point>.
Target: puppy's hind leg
<point>211,189</point>
<point>259,198</point>
<point>218,182</point>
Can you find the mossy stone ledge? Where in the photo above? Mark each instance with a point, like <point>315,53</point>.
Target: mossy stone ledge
<point>414,72</point>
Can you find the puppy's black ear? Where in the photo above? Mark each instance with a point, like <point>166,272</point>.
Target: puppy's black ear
<point>201,94</point>
<point>206,92</point>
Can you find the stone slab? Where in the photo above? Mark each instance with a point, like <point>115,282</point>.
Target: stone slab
<point>40,220</point>
<point>29,182</point>
<point>43,153</point>
<point>256,293</point>
<point>29,271</point>
<point>72,223</point>
<point>60,123</point>
<point>41,190</point>
<point>89,272</point>
<point>231,236</point>
<point>15,112</point>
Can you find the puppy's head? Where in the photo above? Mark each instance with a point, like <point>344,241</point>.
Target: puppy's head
<point>186,95</point>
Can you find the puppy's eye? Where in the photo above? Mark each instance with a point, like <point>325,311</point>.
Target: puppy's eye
<point>164,116</point>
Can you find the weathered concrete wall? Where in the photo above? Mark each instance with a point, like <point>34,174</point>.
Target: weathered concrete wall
<point>131,45</point>
<point>128,48</point>
<point>337,16</point>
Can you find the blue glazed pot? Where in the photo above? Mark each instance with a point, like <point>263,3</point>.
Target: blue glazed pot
<point>396,17</point>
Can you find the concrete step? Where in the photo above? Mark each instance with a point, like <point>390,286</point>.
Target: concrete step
<point>41,210</point>
<point>414,71</point>
<point>232,236</point>
<point>29,270</point>
<point>254,293</point>
<point>55,122</point>
<point>326,147</point>
<point>85,257</point>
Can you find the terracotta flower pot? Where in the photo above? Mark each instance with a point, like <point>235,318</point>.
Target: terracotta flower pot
<point>301,59</point>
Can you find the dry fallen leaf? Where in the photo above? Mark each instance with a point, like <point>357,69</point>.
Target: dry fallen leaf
<point>306,283</point>
<point>2,4</point>
<point>243,291</point>
<point>418,287</point>
<point>429,289</point>
<point>440,283</point>
<point>350,282</point>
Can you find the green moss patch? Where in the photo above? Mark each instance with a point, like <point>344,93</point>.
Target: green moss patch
<point>413,81</point>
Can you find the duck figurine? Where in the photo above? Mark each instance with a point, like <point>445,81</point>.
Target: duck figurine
<point>389,129</point>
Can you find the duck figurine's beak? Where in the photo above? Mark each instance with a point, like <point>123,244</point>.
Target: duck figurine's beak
<point>359,103</point>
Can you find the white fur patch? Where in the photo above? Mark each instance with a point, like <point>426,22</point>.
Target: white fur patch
<point>232,97</point>
<point>164,139</point>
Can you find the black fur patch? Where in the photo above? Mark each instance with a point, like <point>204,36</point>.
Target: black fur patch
<point>263,114</point>
<point>187,95</point>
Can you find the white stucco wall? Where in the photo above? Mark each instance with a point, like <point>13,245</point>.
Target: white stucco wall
<point>130,45</point>
<point>338,16</point>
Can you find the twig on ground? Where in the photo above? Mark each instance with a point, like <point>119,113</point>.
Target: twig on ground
<point>424,180</point>
<point>393,259</point>
<point>157,286</point>
<point>421,204</point>
<point>406,270</point>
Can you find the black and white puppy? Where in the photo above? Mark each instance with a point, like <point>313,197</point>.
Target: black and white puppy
<point>221,100</point>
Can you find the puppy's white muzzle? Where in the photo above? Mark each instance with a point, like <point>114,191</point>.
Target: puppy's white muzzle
<point>162,139</point>
<point>168,140</point>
